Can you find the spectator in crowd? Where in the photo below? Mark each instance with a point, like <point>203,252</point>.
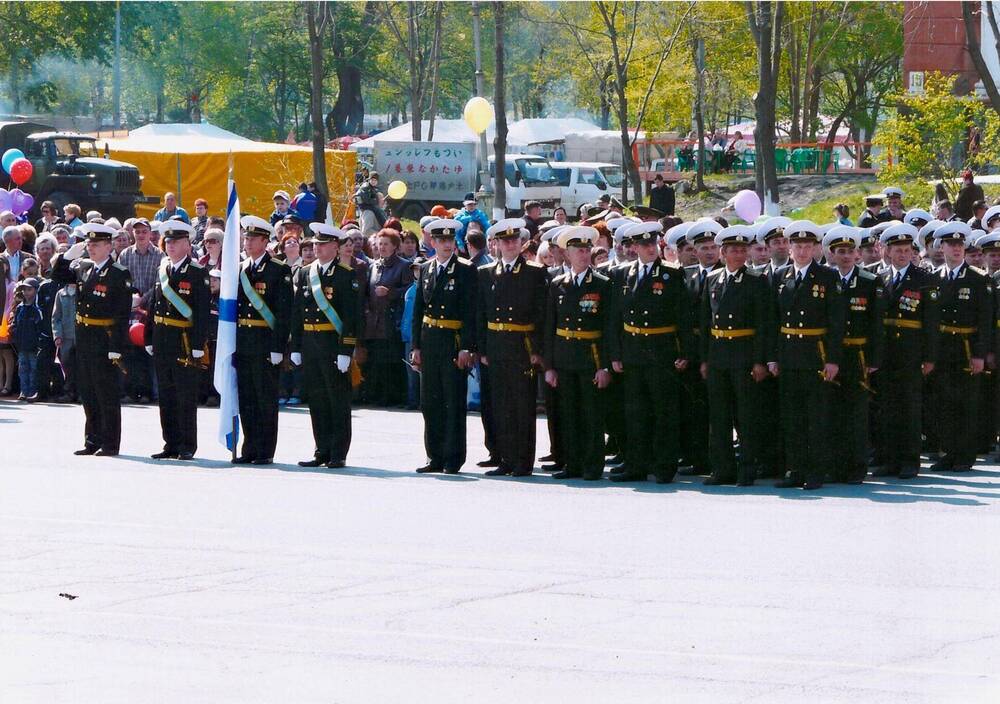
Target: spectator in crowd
<point>49,379</point>
<point>50,217</point>
<point>45,249</point>
<point>200,221</point>
<point>282,206</point>
<point>529,251</point>
<point>661,196</point>
<point>370,203</point>
<point>305,204</point>
<point>289,251</point>
<point>209,396</point>
<point>476,243</point>
<point>409,245</point>
<point>64,337</point>
<point>120,243</point>
<point>944,211</point>
<point>308,252</point>
<point>406,333</point>
<point>598,256</point>
<point>171,209</point>
<point>28,237</point>
<point>26,328</point>
<point>62,233</point>
<point>94,216</point>
<point>967,196</point>
<point>212,259</point>
<point>7,219</point>
<point>469,213</point>
<point>544,256</point>
<point>29,270</point>
<point>559,215</point>
<point>978,211</point>
<point>11,261</point>
<point>735,150</point>
<point>142,259</point>
<point>532,217</point>
<point>842,213</point>
<point>388,280</point>
<point>357,246</point>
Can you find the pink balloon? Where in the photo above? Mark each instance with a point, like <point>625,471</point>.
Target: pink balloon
<point>5,199</point>
<point>747,205</point>
<point>20,202</point>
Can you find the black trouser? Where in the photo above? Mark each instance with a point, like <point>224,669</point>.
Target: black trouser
<point>178,397</point>
<point>442,403</point>
<point>958,392</point>
<point>67,358</point>
<point>851,409</point>
<point>613,401</point>
<point>48,380</point>
<point>652,442</point>
<point>385,376</point>
<point>771,456</point>
<point>98,382</point>
<point>329,401</point>
<point>139,381</point>
<point>208,376</point>
<point>901,392</point>
<point>551,399</point>
<point>488,411</point>
<point>512,397</point>
<point>581,420</point>
<point>806,404</point>
<point>257,383</point>
<point>733,403</point>
<point>693,410</point>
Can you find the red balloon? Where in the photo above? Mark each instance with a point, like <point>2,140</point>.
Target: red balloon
<point>137,334</point>
<point>20,171</point>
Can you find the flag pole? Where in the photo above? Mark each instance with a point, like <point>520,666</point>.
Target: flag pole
<point>236,420</point>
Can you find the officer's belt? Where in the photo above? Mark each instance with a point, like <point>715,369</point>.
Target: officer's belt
<point>955,330</point>
<point>318,327</point>
<point>252,323</point>
<point>804,332</point>
<point>902,323</point>
<point>442,323</point>
<point>172,322</point>
<point>855,341</point>
<point>730,334</point>
<point>95,322</point>
<point>579,334</point>
<point>650,331</point>
<point>510,327</point>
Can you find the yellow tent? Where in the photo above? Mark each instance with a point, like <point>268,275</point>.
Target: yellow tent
<point>192,160</point>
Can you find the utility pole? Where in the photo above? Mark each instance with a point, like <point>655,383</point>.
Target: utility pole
<point>117,86</point>
<point>484,173</point>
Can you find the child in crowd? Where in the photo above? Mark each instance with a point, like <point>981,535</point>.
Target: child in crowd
<point>25,333</point>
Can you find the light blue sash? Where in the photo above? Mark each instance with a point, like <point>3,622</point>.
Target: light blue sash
<point>171,295</point>
<point>255,299</point>
<point>324,305</point>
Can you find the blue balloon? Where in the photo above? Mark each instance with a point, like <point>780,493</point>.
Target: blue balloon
<point>9,157</point>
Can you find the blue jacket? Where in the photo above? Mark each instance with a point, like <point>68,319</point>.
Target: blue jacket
<point>27,323</point>
<point>162,215</point>
<point>465,217</point>
<point>305,205</point>
<point>406,324</point>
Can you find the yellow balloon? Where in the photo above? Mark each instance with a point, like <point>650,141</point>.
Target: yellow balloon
<point>478,114</point>
<point>396,190</point>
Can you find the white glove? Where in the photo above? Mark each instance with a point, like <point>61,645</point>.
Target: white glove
<point>149,350</point>
<point>296,358</point>
<point>76,251</point>
<point>114,355</point>
<point>197,354</point>
<point>343,363</point>
<point>276,358</point>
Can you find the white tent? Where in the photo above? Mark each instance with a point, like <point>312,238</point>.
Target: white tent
<point>520,134</point>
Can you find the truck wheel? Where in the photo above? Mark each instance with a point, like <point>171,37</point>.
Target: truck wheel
<point>413,210</point>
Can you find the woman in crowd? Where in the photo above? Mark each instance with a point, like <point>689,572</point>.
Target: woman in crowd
<point>45,249</point>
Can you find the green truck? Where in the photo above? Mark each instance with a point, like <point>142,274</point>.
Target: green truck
<point>68,168</point>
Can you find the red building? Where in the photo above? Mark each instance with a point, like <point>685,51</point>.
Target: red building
<point>934,40</point>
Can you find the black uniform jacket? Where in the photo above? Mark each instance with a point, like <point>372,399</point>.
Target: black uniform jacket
<point>966,314</point>
<point>653,321</point>
<point>509,304</point>
<point>812,307</point>
<point>273,281</point>
<point>912,317</point>
<point>736,319</point>
<point>578,322</point>
<point>104,295</point>
<point>341,289</point>
<point>863,300</point>
<point>444,309</point>
<point>166,328</point>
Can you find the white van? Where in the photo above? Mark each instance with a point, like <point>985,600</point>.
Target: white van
<point>586,181</point>
<point>529,177</point>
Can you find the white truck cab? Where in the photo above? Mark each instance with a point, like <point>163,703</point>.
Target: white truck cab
<point>586,181</point>
<point>529,177</point>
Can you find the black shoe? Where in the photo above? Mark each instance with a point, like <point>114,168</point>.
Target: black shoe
<point>265,460</point>
<point>961,467</point>
<point>498,472</point>
<point>885,471</point>
<point>908,472</point>
<point>627,476</point>
<point>745,482</point>
<point>593,476</point>
<point>106,453</point>
<point>664,478</point>
<point>521,472</point>
<point>716,480</point>
<point>945,464</point>
<point>165,455</point>
<point>314,462</point>
<point>789,482</point>
<point>616,459</point>
<point>567,474</point>
<point>692,471</point>
<point>428,468</point>
<point>242,459</point>
<point>854,480</point>
<point>451,470</point>
<point>185,456</point>
<point>808,486</point>
<point>489,462</point>
<point>548,458</point>
<point>554,467</point>
<point>336,464</point>
<point>88,450</point>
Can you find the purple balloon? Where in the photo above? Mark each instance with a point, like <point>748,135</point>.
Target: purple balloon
<point>5,200</point>
<point>747,205</point>
<point>20,202</point>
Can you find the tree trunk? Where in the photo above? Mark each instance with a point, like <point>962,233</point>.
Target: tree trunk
<point>765,25</point>
<point>970,17</point>
<point>500,115</point>
<point>435,69</point>
<point>317,15</point>
<point>794,84</point>
<point>348,113</point>
<point>416,94</point>
<point>699,117</point>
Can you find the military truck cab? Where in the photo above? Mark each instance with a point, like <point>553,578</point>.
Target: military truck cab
<point>69,168</point>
